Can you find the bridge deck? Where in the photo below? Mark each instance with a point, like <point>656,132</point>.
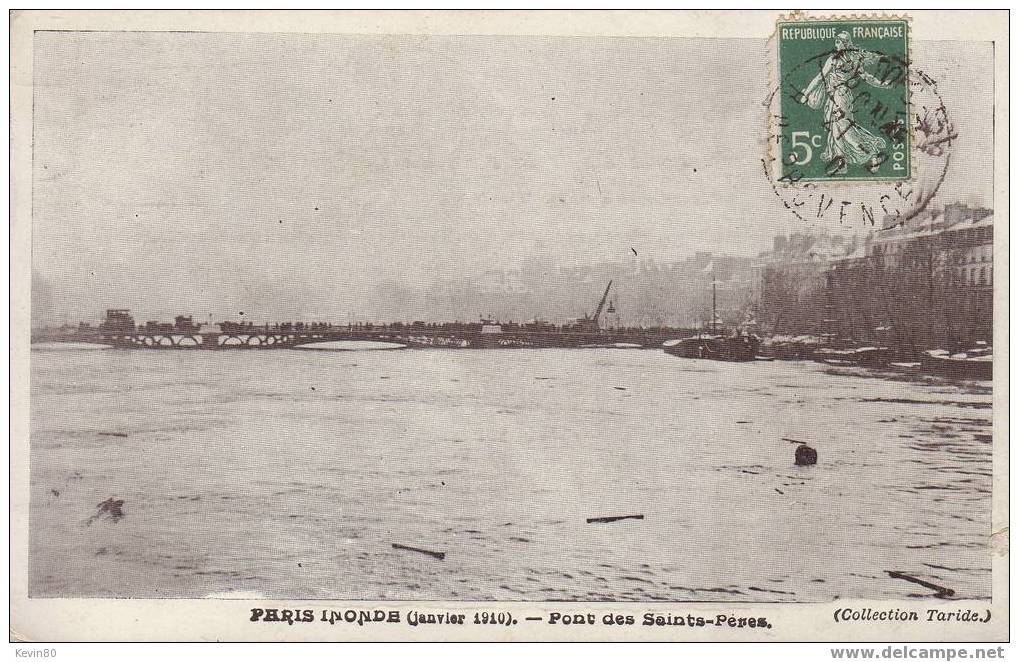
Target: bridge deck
<point>274,338</point>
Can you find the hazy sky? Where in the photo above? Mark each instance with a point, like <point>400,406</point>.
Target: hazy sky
<point>288,174</point>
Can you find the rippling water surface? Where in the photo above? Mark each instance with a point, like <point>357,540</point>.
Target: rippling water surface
<point>290,474</point>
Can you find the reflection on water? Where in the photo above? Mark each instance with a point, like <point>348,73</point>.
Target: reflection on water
<point>290,474</point>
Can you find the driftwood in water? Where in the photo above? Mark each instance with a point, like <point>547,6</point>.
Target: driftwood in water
<point>942,591</point>
<point>437,555</point>
<point>604,520</point>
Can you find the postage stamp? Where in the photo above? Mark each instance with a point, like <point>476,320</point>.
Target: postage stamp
<point>844,101</point>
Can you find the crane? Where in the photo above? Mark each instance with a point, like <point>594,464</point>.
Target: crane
<point>589,324</point>
<point>601,304</point>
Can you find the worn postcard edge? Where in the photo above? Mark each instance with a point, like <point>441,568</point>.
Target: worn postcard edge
<point>227,620</point>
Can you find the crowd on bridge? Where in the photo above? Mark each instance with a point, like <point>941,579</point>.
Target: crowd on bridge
<point>278,327</point>
<point>120,321</point>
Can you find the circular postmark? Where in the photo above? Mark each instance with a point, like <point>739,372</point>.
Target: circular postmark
<point>916,140</point>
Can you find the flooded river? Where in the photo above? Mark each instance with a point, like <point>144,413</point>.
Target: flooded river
<point>290,474</point>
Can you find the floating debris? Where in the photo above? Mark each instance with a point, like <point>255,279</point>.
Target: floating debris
<point>770,590</point>
<point>111,509</point>
<point>437,555</point>
<point>941,591</point>
<point>805,456</point>
<point>947,403</point>
<point>616,518</point>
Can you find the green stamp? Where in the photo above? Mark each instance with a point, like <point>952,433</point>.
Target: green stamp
<point>844,100</point>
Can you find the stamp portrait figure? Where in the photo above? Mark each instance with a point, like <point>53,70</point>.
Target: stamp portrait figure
<point>832,90</point>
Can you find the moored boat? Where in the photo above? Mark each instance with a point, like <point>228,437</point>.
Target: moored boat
<point>737,347</point>
<point>865,356</point>
<point>972,364</point>
<point>741,345</point>
<point>790,347</point>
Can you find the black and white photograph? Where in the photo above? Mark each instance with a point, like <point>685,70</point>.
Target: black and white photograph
<point>516,333</point>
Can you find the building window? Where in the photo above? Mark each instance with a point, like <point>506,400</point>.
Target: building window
<point>983,275</point>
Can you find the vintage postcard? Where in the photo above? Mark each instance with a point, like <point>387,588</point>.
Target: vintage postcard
<point>509,326</point>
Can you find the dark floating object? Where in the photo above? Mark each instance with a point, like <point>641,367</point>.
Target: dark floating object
<point>437,555</point>
<point>941,591</point>
<point>111,509</point>
<point>805,456</point>
<point>112,434</point>
<point>619,388</point>
<point>605,520</point>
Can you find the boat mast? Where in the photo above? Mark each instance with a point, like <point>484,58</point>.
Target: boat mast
<point>830,322</point>
<point>714,301</point>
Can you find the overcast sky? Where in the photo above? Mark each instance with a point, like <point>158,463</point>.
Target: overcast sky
<point>288,174</point>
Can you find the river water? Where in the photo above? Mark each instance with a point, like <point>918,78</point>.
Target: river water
<point>290,474</point>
